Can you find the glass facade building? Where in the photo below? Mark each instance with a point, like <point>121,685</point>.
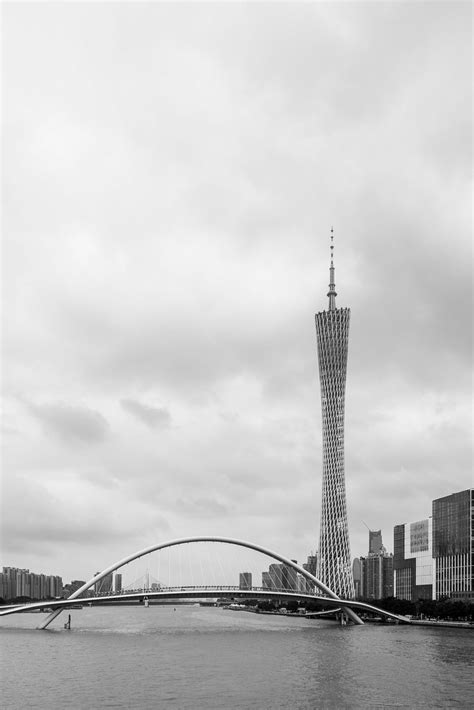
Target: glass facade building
<point>375,541</point>
<point>376,576</point>
<point>453,534</point>
<point>413,560</point>
<point>118,582</point>
<point>245,580</point>
<point>434,558</point>
<point>104,585</point>
<point>373,574</point>
<point>310,565</point>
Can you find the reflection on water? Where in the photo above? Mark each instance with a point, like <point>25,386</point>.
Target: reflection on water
<point>204,658</point>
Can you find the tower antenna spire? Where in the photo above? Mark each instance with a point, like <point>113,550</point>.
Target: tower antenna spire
<point>332,277</point>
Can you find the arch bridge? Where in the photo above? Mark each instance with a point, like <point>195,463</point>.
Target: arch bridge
<point>327,598</point>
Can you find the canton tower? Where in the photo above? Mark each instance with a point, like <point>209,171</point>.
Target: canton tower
<point>332,333</point>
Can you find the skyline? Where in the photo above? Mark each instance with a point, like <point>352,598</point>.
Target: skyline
<point>169,187</point>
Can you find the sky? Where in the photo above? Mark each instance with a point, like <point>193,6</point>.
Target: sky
<point>170,176</point>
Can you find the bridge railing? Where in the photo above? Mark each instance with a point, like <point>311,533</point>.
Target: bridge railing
<point>197,588</point>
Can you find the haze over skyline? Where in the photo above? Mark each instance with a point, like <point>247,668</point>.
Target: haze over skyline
<point>171,173</point>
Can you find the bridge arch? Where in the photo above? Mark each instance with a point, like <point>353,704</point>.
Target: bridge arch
<point>203,538</point>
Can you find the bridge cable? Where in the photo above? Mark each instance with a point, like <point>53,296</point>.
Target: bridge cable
<point>222,571</point>
<point>169,567</point>
<point>203,576</point>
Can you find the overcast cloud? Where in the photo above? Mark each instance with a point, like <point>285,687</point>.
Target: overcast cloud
<point>171,173</point>
<point>151,416</point>
<point>71,423</point>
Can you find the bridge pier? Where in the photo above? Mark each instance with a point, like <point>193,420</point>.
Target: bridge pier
<point>49,619</point>
<point>342,618</point>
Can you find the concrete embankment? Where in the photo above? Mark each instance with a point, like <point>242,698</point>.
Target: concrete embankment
<point>452,624</point>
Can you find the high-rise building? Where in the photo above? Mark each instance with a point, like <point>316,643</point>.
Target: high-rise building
<point>375,541</point>
<point>310,566</point>
<point>245,580</point>
<point>332,331</point>
<point>17,583</point>
<point>376,576</point>
<point>453,535</point>
<point>73,586</point>
<point>118,582</point>
<point>281,577</point>
<point>373,575</point>
<point>104,585</point>
<point>275,571</point>
<point>291,577</point>
<point>433,558</point>
<point>357,576</point>
<point>413,561</point>
<point>301,585</point>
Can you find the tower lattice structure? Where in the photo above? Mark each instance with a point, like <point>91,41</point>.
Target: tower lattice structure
<point>332,332</point>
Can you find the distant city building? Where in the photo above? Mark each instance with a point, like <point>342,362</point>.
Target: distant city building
<point>453,534</point>
<point>373,574</point>
<point>375,542</point>
<point>275,571</point>
<point>310,566</point>
<point>413,560</point>
<point>104,585</point>
<point>267,581</point>
<point>16,582</point>
<point>301,584</point>
<point>376,576</point>
<point>357,576</point>
<point>280,576</point>
<point>245,580</point>
<point>72,587</point>
<point>286,578</point>
<point>291,577</point>
<point>118,582</point>
<point>108,583</point>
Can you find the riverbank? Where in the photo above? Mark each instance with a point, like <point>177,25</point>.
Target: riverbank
<point>410,622</point>
<point>452,624</point>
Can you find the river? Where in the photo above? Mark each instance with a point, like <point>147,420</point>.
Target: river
<point>202,657</point>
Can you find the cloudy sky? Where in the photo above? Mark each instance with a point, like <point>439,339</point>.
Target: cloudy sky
<point>171,173</point>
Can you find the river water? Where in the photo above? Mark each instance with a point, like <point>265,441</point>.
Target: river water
<point>204,657</point>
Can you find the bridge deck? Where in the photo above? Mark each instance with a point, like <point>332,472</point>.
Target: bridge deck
<point>197,593</point>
